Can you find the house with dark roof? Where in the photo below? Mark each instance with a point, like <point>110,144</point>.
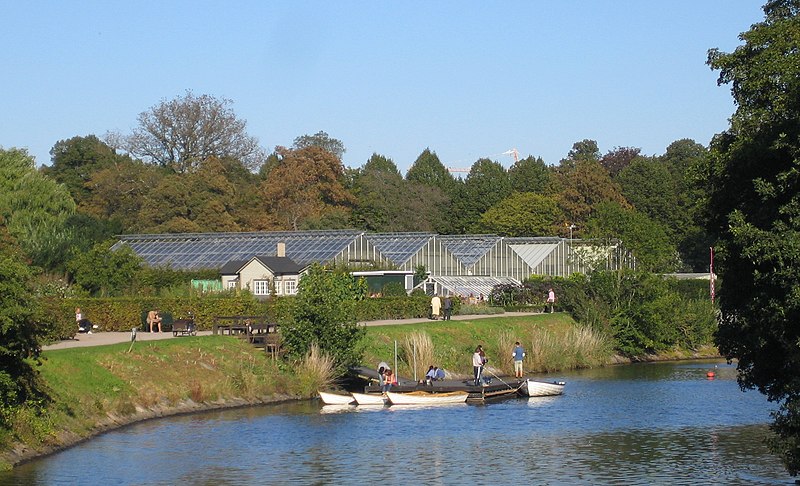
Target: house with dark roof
<point>263,275</point>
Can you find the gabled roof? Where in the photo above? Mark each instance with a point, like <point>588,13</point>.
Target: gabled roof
<point>398,247</point>
<point>279,265</point>
<point>232,267</point>
<point>468,249</point>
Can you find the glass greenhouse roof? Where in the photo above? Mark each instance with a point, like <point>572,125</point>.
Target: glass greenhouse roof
<point>398,247</point>
<point>468,249</point>
<point>213,250</point>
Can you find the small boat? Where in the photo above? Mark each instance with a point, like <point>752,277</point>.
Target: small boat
<point>335,398</point>
<point>369,399</point>
<point>533,388</point>
<point>427,398</point>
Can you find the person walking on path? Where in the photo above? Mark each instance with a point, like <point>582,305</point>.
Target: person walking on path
<point>551,299</point>
<point>436,305</point>
<point>448,308</point>
<point>518,355</point>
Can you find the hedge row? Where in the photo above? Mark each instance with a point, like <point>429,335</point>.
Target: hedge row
<point>57,316</point>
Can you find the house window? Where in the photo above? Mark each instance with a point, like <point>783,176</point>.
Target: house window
<point>232,283</point>
<point>290,287</point>
<point>260,287</point>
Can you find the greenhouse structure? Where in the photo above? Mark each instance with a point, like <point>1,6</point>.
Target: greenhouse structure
<point>440,255</point>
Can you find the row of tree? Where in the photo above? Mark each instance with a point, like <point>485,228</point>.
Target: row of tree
<point>191,167</point>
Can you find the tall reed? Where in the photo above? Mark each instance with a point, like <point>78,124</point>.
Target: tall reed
<point>505,343</point>
<point>581,347</point>
<point>315,371</point>
<point>418,352</point>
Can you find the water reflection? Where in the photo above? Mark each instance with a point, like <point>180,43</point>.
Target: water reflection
<point>644,424</point>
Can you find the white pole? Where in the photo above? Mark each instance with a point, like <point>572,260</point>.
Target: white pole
<point>414,351</point>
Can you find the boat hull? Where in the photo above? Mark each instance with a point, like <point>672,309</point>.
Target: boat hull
<point>425,398</point>
<point>533,388</point>
<point>369,399</point>
<point>335,398</point>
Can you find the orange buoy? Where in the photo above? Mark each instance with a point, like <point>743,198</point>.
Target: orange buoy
<point>710,374</point>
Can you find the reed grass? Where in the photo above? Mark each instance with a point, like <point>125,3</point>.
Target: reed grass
<point>316,371</point>
<point>418,353</point>
<point>579,347</point>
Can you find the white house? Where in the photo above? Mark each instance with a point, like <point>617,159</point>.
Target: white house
<point>262,275</point>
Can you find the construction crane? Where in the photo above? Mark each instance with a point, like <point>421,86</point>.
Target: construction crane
<point>512,152</point>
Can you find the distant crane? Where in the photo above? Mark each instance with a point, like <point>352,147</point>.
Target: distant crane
<point>512,152</point>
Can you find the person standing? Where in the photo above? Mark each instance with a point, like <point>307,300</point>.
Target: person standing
<point>436,305</point>
<point>551,299</point>
<point>478,361</point>
<point>518,355</point>
<point>448,308</point>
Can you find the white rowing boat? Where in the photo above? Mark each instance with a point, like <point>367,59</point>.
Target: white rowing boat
<point>369,399</point>
<point>427,398</point>
<point>335,398</point>
<point>533,388</point>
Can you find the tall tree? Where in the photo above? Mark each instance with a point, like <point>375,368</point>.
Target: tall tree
<point>182,132</point>
<point>647,240</point>
<point>619,158</point>
<point>486,184</point>
<point>18,336</point>
<point>429,170</point>
<point>583,184</point>
<point>307,184</point>
<point>35,209</point>
<point>75,160</point>
<point>322,140</point>
<point>523,214</point>
<point>530,174</point>
<point>755,214</point>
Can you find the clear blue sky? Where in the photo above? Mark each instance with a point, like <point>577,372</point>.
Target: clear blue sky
<point>467,79</point>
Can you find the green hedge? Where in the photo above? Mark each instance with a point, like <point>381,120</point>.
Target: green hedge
<point>57,319</point>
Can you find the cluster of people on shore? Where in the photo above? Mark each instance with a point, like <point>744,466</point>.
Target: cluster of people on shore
<point>434,374</point>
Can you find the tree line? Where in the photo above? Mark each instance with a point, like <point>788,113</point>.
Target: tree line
<point>190,166</point>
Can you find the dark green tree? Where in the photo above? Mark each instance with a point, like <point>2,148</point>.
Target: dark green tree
<point>18,336</point>
<point>75,160</point>
<point>523,214</point>
<point>529,175</point>
<point>755,214</point>
<point>35,209</point>
<point>104,272</point>
<point>324,313</point>
<point>486,185</point>
<point>429,170</point>
<point>646,239</point>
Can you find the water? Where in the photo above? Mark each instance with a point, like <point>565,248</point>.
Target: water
<point>660,423</point>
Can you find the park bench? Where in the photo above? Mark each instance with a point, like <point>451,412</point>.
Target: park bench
<point>183,327</point>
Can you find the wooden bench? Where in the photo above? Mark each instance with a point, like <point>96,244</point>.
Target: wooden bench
<point>184,327</point>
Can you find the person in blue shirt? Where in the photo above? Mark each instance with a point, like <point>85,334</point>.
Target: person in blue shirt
<point>518,355</point>
<point>439,373</point>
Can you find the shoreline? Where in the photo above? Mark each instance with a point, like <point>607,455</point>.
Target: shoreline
<point>20,453</point>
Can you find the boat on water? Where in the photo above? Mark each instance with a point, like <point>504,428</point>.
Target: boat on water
<point>427,398</point>
<point>369,399</point>
<point>533,388</point>
<point>335,398</point>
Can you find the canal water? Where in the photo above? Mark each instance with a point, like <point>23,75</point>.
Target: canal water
<point>663,423</point>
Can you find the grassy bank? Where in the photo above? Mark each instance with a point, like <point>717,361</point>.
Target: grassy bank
<point>552,342</point>
<point>93,389</point>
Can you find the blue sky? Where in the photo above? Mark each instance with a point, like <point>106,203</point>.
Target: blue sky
<point>466,79</point>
